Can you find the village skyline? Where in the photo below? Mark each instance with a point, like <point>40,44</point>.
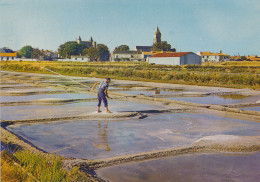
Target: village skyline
<point>231,26</point>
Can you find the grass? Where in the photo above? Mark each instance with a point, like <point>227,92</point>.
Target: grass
<point>28,166</point>
<point>224,74</point>
<point>233,63</point>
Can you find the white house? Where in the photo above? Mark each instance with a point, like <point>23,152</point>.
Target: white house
<point>213,57</point>
<point>7,54</point>
<point>126,56</point>
<point>175,58</point>
<point>80,58</point>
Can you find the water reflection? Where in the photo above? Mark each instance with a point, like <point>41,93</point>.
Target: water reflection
<point>151,91</point>
<point>102,139</point>
<point>219,99</point>
<point>196,168</point>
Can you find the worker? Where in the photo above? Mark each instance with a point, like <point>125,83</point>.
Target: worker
<point>102,94</point>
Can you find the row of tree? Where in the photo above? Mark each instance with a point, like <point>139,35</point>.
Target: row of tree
<point>99,53</point>
<point>35,53</point>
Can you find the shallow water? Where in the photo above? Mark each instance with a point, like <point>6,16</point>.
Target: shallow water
<point>251,108</point>
<point>24,90</point>
<point>75,109</point>
<point>214,99</point>
<point>195,168</point>
<point>152,92</point>
<point>102,139</point>
<point>44,96</point>
<point>45,111</point>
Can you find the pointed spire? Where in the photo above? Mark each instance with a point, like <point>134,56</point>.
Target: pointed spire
<point>79,40</point>
<point>157,36</point>
<point>157,30</point>
<point>91,39</point>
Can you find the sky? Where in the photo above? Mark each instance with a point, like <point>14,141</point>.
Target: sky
<point>232,26</point>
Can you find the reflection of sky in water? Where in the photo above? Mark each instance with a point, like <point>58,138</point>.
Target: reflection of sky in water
<point>69,109</point>
<point>23,90</point>
<point>98,139</point>
<point>251,108</point>
<point>151,92</point>
<point>44,96</point>
<point>46,111</point>
<point>195,167</point>
<point>214,99</point>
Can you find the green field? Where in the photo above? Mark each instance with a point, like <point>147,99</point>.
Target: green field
<point>226,74</point>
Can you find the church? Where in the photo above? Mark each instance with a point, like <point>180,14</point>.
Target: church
<point>141,53</point>
<point>89,43</point>
<point>156,39</point>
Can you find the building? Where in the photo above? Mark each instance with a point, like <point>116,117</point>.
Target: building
<point>143,48</point>
<point>157,36</point>
<point>235,58</point>
<point>146,55</point>
<point>80,58</point>
<point>89,43</point>
<point>175,58</point>
<point>156,39</point>
<point>253,58</point>
<point>126,56</point>
<point>213,57</point>
<point>7,54</point>
<point>48,55</point>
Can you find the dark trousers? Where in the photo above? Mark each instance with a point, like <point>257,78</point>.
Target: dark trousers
<point>102,96</point>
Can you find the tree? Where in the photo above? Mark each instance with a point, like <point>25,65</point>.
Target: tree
<point>103,52</point>
<point>36,53</point>
<point>161,46</point>
<point>71,48</point>
<point>92,53</point>
<point>26,51</point>
<point>122,48</point>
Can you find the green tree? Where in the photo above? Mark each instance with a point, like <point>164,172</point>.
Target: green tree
<point>71,48</point>
<point>92,53</point>
<point>122,48</point>
<point>103,52</point>
<point>26,51</point>
<point>36,53</point>
<point>161,46</point>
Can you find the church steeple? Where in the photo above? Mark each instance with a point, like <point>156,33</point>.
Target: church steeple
<point>79,40</point>
<point>157,36</point>
<point>91,39</point>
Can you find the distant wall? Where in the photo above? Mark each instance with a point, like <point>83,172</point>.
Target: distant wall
<point>80,59</point>
<point>164,60</point>
<point>62,60</point>
<point>190,58</point>
<point>18,59</point>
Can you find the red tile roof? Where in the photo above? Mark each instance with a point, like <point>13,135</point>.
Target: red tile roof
<point>172,54</point>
